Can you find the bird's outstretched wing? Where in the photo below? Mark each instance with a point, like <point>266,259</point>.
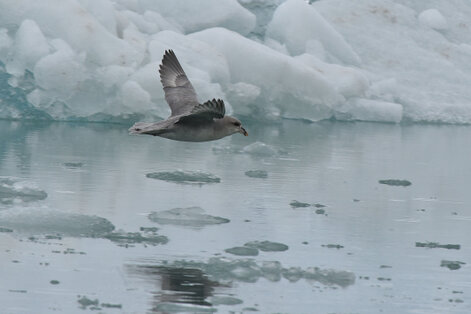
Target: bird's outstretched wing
<point>212,109</point>
<point>179,93</point>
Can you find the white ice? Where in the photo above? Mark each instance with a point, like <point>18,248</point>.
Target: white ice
<point>356,60</point>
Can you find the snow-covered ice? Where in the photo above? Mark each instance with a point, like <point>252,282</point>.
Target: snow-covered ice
<point>369,60</point>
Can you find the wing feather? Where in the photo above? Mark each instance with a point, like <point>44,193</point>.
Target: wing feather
<point>212,109</point>
<point>179,93</point>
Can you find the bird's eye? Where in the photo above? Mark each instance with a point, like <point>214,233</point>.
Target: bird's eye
<point>237,123</point>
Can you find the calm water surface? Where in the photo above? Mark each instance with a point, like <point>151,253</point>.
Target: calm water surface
<point>109,239</point>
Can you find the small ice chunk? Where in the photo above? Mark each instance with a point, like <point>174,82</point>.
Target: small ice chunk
<point>86,302</point>
<point>433,245</point>
<point>135,237</point>
<point>16,190</point>
<point>224,300</point>
<point>262,174</point>
<point>433,19</point>
<point>73,165</point>
<point>260,149</point>
<point>298,204</point>
<point>185,177</point>
<point>330,276</point>
<point>189,217</point>
<point>333,246</point>
<point>293,274</point>
<point>395,182</point>
<point>267,246</point>
<point>242,251</point>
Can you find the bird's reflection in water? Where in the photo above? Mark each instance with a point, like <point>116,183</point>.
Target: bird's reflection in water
<point>178,285</point>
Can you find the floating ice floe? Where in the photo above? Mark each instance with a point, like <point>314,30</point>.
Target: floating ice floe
<point>224,300</point>
<point>298,204</point>
<point>395,182</point>
<point>73,165</point>
<point>189,217</point>
<point>130,238</point>
<point>185,177</point>
<point>45,221</point>
<point>242,251</point>
<point>451,265</point>
<point>262,174</point>
<point>260,149</point>
<point>14,190</point>
<point>433,245</point>
<point>267,246</point>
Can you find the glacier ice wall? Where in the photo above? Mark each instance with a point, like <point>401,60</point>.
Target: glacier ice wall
<point>369,60</point>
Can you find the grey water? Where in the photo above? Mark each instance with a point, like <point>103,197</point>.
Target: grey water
<point>292,219</point>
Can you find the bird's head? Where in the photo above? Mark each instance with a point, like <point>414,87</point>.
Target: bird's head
<point>234,125</point>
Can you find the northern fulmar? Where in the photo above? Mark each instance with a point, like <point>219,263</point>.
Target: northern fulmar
<point>189,121</point>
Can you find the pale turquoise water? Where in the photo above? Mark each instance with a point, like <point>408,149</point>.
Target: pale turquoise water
<point>95,178</point>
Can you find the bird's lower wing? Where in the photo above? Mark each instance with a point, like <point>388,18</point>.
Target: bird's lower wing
<point>212,109</point>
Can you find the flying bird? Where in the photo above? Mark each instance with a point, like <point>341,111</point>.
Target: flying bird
<point>189,121</point>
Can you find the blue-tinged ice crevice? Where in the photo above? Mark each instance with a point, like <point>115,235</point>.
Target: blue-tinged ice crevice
<point>364,60</point>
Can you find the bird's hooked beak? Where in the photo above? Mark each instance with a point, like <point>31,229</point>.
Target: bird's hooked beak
<point>243,131</point>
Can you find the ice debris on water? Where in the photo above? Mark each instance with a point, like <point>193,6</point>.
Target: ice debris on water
<point>86,302</point>
<point>252,248</point>
<point>111,306</point>
<point>73,165</point>
<point>225,270</point>
<point>185,177</point>
<point>262,174</point>
<point>260,149</point>
<point>94,304</point>
<point>451,265</point>
<point>333,246</point>
<point>433,245</point>
<point>13,190</point>
<point>47,221</point>
<point>267,246</point>
<point>242,251</point>
<point>189,217</point>
<point>127,238</point>
<point>395,182</point>
<point>297,204</point>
